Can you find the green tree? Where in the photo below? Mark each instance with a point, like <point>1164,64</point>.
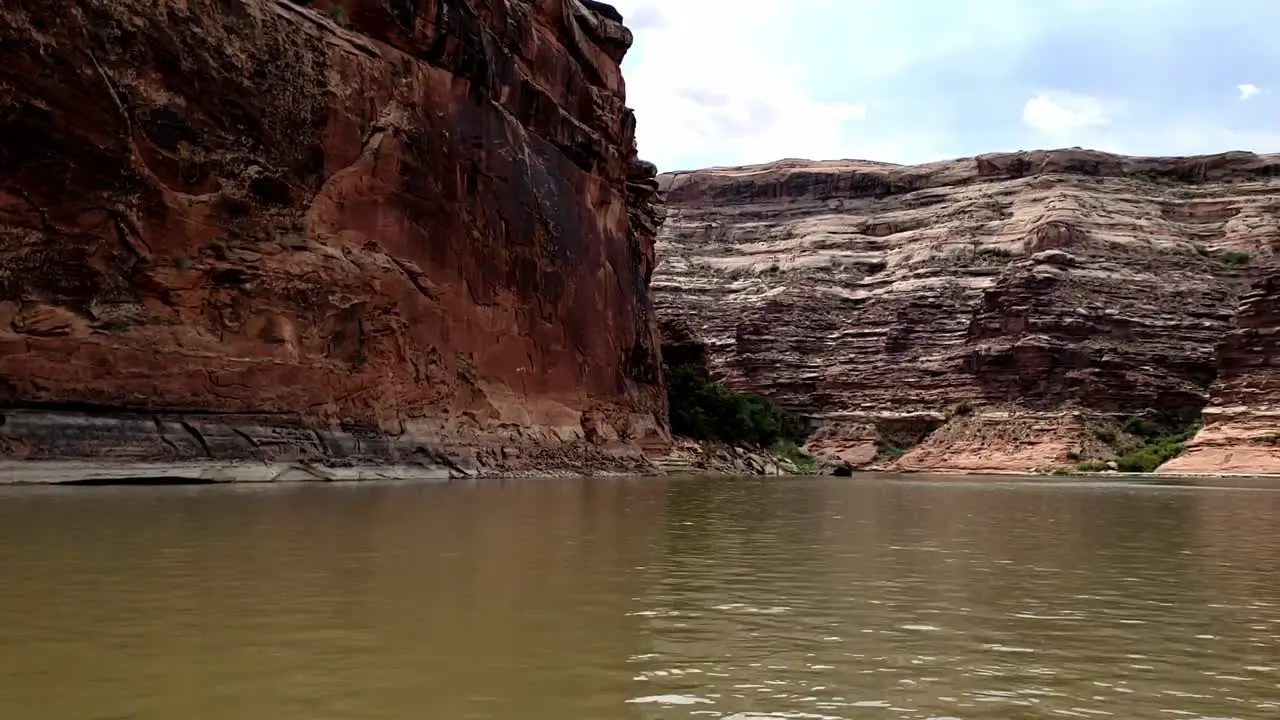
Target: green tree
<point>703,409</point>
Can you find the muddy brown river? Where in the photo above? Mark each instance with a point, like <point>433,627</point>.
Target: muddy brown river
<point>650,599</point>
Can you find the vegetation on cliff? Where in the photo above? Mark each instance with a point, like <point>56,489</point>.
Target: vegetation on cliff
<point>1158,447</point>
<point>1140,445</point>
<point>702,409</point>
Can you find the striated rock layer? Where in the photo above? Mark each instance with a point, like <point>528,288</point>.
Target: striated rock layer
<point>1241,432</point>
<point>1011,299</point>
<point>351,231</point>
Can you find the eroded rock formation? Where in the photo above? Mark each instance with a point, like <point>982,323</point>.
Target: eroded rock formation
<point>980,313</point>
<point>349,231</point>
<point>1241,432</point>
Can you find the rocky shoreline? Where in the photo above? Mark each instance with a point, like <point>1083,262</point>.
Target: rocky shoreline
<point>83,448</point>
<point>64,447</point>
<point>718,462</point>
<point>72,472</point>
<point>77,446</point>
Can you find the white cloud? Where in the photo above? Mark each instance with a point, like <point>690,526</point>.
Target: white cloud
<point>706,85</point>
<point>724,82</point>
<point>1060,114</point>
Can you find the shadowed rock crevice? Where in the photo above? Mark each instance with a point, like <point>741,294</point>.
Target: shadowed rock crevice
<point>720,430</point>
<point>1241,431</point>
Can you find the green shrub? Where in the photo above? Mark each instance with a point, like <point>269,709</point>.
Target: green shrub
<point>702,409</point>
<point>1094,465</point>
<point>1144,427</point>
<point>789,450</point>
<point>1157,451</point>
<point>960,409</point>
<point>337,14</point>
<point>1235,257</point>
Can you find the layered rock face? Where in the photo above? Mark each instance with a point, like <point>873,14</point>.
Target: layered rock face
<point>364,230</point>
<point>1009,299</point>
<point>1241,432</point>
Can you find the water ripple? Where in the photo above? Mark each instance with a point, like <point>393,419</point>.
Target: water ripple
<point>653,600</point>
<point>1019,608</point>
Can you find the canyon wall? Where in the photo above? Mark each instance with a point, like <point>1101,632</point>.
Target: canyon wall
<point>1241,432</point>
<point>359,231</point>
<point>1003,312</point>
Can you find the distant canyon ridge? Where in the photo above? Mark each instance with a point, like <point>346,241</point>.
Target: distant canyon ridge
<point>1004,312</point>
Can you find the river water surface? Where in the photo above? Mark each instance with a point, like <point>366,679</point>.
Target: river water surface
<point>647,599</point>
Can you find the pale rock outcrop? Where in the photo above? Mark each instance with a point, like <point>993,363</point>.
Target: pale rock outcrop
<point>1029,288</point>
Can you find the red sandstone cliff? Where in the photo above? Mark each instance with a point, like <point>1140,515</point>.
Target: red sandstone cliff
<point>1241,432</point>
<point>350,231</point>
<point>1003,312</point>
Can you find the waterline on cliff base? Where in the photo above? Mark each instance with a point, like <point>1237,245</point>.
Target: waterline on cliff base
<point>74,472</point>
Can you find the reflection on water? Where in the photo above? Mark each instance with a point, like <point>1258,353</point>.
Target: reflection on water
<point>647,599</point>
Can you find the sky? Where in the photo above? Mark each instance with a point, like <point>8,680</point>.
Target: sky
<point>731,82</point>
